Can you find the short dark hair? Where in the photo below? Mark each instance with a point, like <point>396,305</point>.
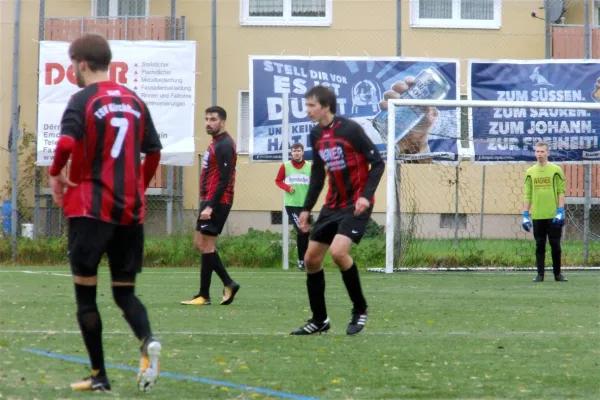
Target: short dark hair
<point>217,110</point>
<point>298,146</point>
<point>325,97</point>
<point>93,49</point>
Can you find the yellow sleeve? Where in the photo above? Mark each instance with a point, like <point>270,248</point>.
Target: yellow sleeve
<point>528,187</point>
<point>560,185</point>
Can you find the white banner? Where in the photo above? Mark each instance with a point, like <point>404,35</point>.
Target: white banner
<point>162,73</point>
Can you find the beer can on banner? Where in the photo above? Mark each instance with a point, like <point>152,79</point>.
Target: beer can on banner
<point>596,92</point>
<point>429,84</point>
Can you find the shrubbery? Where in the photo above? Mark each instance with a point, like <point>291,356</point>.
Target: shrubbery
<point>263,249</point>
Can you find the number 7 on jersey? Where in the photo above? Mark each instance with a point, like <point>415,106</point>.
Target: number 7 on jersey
<point>123,125</point>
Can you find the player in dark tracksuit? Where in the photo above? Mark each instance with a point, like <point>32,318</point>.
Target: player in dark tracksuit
<point>217,183</point>
<point>354,168</point>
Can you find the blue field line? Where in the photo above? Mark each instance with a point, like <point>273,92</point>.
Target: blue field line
<point>178,376</point>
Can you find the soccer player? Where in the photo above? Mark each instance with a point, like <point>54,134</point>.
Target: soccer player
<point>354,168</point>
<point>104,130</point>
<point>217,183</point>
<point>545,198</point>
<point>293,177</point>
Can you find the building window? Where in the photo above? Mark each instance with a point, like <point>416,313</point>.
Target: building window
<point>120,8</point>
<point>449,221</point>
<point>243,134</point>
<point>286,12</point>
<point>277,218</point>
<point>469,14</point>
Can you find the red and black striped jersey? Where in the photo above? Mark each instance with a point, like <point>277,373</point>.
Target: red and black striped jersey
<point>217,179</point>
<point>354,165</point>
<point>111,127</point>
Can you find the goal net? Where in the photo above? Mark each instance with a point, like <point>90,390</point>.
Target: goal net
<point>467,211</point>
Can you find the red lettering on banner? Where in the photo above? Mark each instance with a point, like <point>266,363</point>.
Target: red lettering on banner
<point>51,79</point>
<point>55,73</point>
<point>118,70</point>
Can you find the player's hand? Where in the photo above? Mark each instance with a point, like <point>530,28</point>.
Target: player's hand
<point>206,213</point>
<point>559,218</point>
<point>416,140</point>
<point>58,184</point>
<point>292,190</point>
<point>362,204</point>
<point>526,221</point>
<point>303,221</point>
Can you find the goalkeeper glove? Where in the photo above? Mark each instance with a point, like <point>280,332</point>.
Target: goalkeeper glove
<point>526,221</point>
<point>559,218</point>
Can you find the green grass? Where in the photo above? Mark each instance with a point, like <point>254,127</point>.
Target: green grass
<point>263,249</point>
<point>430,336</point>
<point>492,252</point>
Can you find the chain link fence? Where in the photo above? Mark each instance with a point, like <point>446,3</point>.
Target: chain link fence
<point>459,213</point>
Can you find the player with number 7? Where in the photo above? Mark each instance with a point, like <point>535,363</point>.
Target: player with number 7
<point>104,131</point>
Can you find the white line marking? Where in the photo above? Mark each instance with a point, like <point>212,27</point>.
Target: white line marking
<point>229,333</point>
<point>193,271</point>
<point>46,273</point>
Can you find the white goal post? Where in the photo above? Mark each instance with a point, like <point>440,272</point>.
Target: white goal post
<point>393,104</point>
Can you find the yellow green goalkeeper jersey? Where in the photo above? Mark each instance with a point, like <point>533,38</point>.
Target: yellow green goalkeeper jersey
<point>543,185</point>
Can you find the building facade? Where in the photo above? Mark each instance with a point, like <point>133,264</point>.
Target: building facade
<point>464,29</point>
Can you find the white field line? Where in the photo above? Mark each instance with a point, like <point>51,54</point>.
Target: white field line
<point>263,333</point>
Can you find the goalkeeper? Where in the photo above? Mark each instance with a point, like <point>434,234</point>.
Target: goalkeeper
<point>545,199</point>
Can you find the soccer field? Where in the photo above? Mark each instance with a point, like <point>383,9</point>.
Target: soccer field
<point>430,336</point>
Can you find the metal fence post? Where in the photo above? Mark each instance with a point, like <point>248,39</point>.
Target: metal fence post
<point>170,172</point>
<point>456,194</point>
<point>397,165</point>
<point>587,168</point>
<point>38,181</point>
<point>481,213</point>
<point>14,131</point>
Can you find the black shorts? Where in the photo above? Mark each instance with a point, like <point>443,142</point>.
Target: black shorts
<point>90,238</point>
<point>294,215</point>
<point>214,225</point>
<point>332,222</point>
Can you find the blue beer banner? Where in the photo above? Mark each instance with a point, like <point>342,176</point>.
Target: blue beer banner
<point>359,84</point>
<point>509,134</point>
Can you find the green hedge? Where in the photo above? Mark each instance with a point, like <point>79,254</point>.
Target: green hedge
<point>263,249</point>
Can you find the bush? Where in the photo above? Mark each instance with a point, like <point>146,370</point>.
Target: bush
<point>255,249</point>
<point>263,249</point>
<point>374,230</point>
